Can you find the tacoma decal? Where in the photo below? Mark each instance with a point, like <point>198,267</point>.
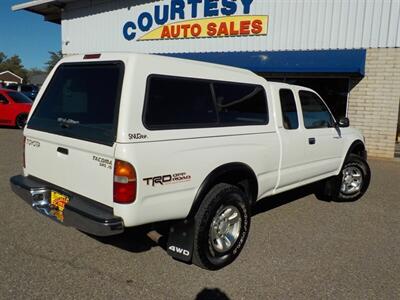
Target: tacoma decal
<point>103,162</point>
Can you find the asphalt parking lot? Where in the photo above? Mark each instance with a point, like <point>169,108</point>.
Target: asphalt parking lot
<point>298,247</point>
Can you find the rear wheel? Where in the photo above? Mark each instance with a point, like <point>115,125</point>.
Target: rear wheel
<point>222,225</point>
<point>20,121</point>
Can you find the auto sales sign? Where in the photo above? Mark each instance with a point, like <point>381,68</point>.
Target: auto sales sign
<point>194,19</point>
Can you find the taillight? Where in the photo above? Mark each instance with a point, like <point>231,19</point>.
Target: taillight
<point>23,153</point>
<point>124,182</point>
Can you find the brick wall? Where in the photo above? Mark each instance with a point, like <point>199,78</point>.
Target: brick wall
<point>374,101</point>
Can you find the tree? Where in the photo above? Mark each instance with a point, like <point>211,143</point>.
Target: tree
<point>31,73</point>
<point>12,64</point>
<point>2,57</point>
<point>53,60</point>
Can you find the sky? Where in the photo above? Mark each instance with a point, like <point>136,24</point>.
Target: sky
<point>27,35</point>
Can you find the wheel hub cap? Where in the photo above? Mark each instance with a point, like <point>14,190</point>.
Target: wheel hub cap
<point>351,181</point>
<point>225,228</point>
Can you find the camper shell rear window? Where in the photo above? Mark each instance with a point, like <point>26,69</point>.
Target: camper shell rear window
<point>82,102</point>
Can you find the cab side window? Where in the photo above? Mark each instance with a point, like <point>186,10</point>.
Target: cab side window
<point>315,112</point>
<point>289,110</point>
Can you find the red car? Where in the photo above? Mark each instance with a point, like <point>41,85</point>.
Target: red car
<point>14,108</point>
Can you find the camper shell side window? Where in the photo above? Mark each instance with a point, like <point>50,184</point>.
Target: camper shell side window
<point>183,103</point>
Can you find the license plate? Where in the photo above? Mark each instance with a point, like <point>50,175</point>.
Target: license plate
<point>58,200</point>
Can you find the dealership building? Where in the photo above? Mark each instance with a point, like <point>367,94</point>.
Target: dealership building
<point>347,50</point>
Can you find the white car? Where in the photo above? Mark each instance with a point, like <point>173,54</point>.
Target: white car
<point>118,140</point>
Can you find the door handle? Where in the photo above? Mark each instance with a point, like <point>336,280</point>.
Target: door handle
<point>311,141</point>
<point>62,150</point>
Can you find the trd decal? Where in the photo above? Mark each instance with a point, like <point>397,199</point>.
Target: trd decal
<point>167,179</point>
<point>103,162</point>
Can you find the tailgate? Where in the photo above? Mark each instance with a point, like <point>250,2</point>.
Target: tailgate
<point>79,166</point>
<point>70,136</point>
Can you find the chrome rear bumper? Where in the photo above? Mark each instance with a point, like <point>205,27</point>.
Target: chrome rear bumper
<point>82,213</point>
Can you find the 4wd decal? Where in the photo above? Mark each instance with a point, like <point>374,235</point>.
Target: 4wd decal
<point>167,179</point>
<point>179,250</point>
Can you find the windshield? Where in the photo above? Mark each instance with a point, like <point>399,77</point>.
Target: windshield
<point>19,97</point>
<point>81,101</point>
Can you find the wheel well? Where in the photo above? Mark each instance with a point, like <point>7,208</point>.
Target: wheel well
<point>21,114</point>
<point>238,174</point>
<point>358,148</point>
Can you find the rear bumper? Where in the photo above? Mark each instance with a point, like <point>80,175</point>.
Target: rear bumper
<point>82,213</point>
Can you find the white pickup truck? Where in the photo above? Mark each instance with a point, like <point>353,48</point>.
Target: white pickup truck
<point>119,140</point>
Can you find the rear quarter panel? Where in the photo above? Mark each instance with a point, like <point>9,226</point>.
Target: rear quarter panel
<point>186,152</point>
<point>184,165</point>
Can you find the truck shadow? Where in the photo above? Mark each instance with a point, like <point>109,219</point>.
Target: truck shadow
<point>10,127</point>
<point>136,240</point>
<point>132,239</point>
<point>214,294</point>
<point>272,202</point>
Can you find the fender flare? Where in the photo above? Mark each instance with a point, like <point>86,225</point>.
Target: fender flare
<point>221,172</point>
<point>357,143</point>
<point>354,145</point>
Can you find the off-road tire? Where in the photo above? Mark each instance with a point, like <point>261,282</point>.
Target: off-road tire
<point>331,189</point>
<point>219,197</point>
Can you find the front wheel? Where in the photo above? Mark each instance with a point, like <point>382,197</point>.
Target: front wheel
<point>355,178</point>
<point>222,225</point>
<point>351,183</point>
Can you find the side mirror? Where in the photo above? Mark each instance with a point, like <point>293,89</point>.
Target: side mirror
<point>344,122</point>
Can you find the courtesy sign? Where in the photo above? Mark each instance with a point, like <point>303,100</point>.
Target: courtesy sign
<point>190,19</point>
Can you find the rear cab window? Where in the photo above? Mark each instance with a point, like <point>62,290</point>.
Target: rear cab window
<point>82,102</point>
<point>289,111</point>
<point>179,103</point>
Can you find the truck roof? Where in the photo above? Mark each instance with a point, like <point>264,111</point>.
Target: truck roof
<point>162,59</point>
<point>288,85</point>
